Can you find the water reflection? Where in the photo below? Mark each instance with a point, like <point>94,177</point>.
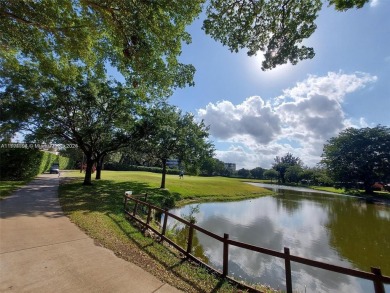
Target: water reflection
<point>324,227</point>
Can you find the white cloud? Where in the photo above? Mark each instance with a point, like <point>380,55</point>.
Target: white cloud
<point>251,118</point>
<point>237,154</point>
<point>335,85</point>
<point>299,121</point>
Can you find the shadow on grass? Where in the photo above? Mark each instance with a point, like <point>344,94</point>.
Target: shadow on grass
<point>218,287</point>
<point>106,197</point>
<point>168,266</point>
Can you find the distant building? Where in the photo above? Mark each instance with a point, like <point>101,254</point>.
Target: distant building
<point>230,166</point>
<point>173,163</point>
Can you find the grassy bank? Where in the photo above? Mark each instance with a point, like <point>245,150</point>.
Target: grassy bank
<point>7,187</point>
<point>97,210</point>
<point>379,195</point>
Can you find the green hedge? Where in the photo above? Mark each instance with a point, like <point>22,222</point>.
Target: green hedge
<point>47,159</point>
<point>66,163</point>
<point>21,164</point>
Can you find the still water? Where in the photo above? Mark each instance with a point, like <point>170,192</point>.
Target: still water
<point>330,228</point>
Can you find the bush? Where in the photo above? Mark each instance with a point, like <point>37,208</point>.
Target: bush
<point>66,163</point>
<point>47,159</point>
<point>22,164</point>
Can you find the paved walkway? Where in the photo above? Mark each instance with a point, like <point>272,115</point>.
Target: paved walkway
<point>42,251</point>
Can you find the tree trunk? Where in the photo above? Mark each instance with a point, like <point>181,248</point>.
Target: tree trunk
<point>88,172</point>
<point>164,171</point>
<point>98,171</point>
<point>99,167</point>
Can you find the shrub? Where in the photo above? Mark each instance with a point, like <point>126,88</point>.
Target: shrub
<point>22,164</point>
<point>66,163</point>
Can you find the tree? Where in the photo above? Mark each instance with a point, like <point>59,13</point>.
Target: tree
<point>141,39</point>
<point>166,133</point>
<point>271,174</point>
<point>282,163</point>
<point>212,166</point>
<point>95,113</point>
<point>293,173</point>
<point>359,155</point>
<point>307,175</point>
<point>315,176</point>
<point>321,177</point>
<point>243,173</point>
<point>257,173</point>
<point>275,27</point>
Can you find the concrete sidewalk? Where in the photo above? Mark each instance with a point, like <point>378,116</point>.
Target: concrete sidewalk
<point>42,251</point>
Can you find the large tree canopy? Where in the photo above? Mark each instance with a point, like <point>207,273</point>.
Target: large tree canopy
<point>168,134</point>
<point>141,39</point>
<point>212,166</point>
<point>275,27</point>
<point>283,163</point>
<point>359,155</point>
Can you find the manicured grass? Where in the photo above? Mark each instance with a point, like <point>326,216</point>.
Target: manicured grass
<point>376,194</point>
<point>191,188</point>
<point>98,210</point>
<point>7,187</point>
<point>329,189</point>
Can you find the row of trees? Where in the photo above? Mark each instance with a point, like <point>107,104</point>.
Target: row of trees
<point>356,157</point>
<point>292,174</point>
<point>103,117</point>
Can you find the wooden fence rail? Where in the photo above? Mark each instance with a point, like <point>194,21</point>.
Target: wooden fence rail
<point>375,275</point>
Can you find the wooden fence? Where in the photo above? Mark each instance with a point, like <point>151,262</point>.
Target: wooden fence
<point>375,275</point>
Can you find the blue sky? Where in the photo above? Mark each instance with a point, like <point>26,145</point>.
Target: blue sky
<point>255,116</point>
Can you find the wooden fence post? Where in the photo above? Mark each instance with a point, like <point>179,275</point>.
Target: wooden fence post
<point>164,228</point>
<point>149,214</point>
<point>378,285</point>
<point>125,203</point>
<point>287,265</point>
<point>225,269</point>
<point>190,237</point>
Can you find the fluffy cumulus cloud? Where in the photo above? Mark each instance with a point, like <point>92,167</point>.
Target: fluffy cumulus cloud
<point>299,121</point>
<point>252,118</point>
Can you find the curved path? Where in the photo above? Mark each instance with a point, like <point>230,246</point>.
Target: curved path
<point>42,251</point>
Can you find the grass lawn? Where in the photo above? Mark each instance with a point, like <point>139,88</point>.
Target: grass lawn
<point>191,188</point>
<point>377,194</point>
<point>97,209</point>
<point>329,189</point>
<point>7,187</point>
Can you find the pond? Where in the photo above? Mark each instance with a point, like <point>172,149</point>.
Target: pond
<point>335,229</point>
